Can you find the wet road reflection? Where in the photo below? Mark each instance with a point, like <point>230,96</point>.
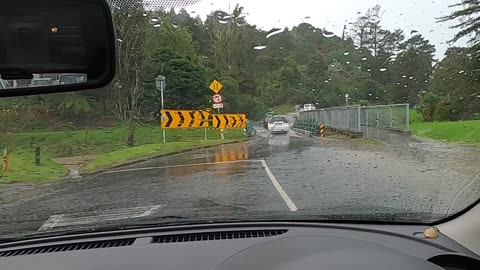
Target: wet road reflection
<point>321,176</point>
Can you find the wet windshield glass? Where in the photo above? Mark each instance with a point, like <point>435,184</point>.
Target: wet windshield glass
<point>382,101</point>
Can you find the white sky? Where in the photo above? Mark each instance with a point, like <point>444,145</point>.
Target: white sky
<point>405,14</point>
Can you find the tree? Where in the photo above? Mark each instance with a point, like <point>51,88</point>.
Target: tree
<point>469,19</point>
<point>186,86</point>
<point>126,89</point>
<point>367,32</point>
<point>412,70</point>
<point>456,85</point>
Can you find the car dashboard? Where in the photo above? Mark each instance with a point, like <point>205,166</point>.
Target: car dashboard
<point>281,245</point>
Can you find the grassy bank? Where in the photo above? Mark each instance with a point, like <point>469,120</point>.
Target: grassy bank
<point>415,117</point>
<point>107,143</point>
<point>22,168</point>
<point>462,131</point>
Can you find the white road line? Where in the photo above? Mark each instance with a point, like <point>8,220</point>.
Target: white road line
<point>182,165</point>
<point>291,205</point>
<point>65,220</point>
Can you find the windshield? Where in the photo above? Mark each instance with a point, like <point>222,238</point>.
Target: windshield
<point>382,101</point>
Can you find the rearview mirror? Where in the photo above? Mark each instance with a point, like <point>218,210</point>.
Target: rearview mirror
<point>49,46</point>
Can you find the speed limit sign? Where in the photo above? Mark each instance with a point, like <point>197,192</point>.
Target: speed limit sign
<point>217,98</point>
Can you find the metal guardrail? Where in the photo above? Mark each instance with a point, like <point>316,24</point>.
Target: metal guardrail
<point>357,118</point>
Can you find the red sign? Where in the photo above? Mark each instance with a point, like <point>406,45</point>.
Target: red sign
<point>217,98</point>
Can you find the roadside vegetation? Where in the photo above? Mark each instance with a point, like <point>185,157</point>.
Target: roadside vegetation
<point>260,69</point>
<point>449,131</point>
<point>108,144</point>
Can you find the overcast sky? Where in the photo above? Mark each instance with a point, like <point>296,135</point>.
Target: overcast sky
<point>408,15</point>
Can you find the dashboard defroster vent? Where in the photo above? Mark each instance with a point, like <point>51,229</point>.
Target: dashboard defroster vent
<point>209,236</point>
<point>67,247</point>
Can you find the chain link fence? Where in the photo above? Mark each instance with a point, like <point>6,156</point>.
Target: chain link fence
<point>396,116</point>
<point>357,118</point>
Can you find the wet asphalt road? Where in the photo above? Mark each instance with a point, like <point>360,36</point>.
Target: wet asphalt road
<point>269,175</point>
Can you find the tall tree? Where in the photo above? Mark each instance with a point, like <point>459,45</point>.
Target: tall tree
<point>469,18</point>
<point>126,90</point>
<point>413,70</point>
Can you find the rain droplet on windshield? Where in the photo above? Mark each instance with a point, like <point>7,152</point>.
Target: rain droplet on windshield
<point>346,53</point>
<point>461,71</point>
<point>411,77</point>
<point>154,20</point>
<point>274,31</point>
<point>348,63</point>
<point>260,47</point>
<point>404,76</point>
<point>157,25</point>
<point>327,34</point>
<point>383,69</point>
<point>364,59</point>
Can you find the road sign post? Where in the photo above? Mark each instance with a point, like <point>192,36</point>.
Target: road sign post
<point>160,84</point>
<point>216,87</point>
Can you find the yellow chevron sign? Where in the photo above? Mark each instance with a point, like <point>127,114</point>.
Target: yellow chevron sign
<point>225,121</point>
<point>184,119</point>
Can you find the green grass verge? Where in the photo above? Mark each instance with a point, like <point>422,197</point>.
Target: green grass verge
<point>22,167</point>
<point>415,117</point>
<point>148,150</point>
<point>462,131</point>
<point>100,141</point>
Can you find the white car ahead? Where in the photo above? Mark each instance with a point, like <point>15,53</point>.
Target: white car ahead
<point>309,107</point>
<point>278,124</point>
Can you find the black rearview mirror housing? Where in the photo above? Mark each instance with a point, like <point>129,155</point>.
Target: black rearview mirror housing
<point>49,46</point>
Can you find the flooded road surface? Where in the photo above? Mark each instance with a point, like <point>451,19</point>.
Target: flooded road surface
<point>288,175</point>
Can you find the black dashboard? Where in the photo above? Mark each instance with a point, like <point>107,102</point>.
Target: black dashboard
<point>244,246</point>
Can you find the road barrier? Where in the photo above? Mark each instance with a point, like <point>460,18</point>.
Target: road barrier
<point>322,130</point>
<point>356,118</point>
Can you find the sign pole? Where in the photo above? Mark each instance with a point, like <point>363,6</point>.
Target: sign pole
<point>160,84</point>
<point>221,130</point>
<point>161,96</point>
<point>205,134</point>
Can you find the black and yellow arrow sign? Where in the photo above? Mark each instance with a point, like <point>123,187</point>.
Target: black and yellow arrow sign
<point>184,119</point>
<point>225,121</point>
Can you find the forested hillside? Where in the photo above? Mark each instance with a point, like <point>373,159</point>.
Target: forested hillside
<point>262,68</point>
